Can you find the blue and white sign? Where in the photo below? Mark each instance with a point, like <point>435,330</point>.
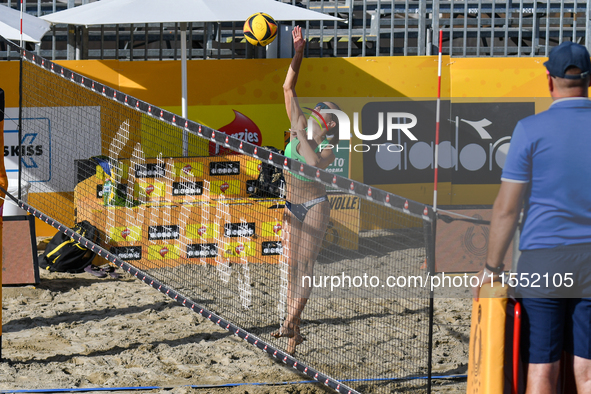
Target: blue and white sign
<point>53,138</point>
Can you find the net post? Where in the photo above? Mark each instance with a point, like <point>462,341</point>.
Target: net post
<point>430,230</point>
<point>20,122</point>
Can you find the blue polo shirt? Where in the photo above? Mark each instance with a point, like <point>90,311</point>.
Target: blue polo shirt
<point>552,152</point>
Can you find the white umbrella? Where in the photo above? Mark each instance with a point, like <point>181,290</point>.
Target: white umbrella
<point>110,12</point>
<point>33,28</point>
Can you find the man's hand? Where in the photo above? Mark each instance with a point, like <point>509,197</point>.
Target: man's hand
<point>298,41</point>
<point>483,279</point>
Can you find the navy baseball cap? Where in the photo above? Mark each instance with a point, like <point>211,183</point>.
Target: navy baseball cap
<point>566,55</point>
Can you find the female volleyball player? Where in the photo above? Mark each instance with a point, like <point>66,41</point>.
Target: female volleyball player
<point>307,208</point>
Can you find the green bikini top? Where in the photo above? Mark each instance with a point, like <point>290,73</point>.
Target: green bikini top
<point>292,153</point>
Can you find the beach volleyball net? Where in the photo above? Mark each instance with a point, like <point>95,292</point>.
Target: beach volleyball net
<point>201,216</point>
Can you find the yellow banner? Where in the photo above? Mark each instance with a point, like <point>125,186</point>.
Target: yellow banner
<point>188,169</point>
<point>228,188</point>
<point>125,234</point>
<point>202,231</point>
<point>162,252</point>
<point>240,249</point>
<point>271,229</point>
<point>152,188</point>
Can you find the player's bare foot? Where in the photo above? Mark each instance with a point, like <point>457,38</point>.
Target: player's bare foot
<point>294,342</point>
<point>287,330</point>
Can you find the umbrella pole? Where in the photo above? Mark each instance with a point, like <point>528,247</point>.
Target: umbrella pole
<point>184,83</point>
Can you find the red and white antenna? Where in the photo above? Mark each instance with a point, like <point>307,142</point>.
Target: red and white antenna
<point>22,24</point>
<point>437,118</point>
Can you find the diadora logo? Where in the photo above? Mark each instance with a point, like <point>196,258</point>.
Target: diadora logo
<point>187,188</point>
<point>163,232</point>
<point>151,170</point>
<point>224,168</point>
<point>127,252</point>
<point>239,229</point>
<point>202,250</point>
<point>474,139</point>
<point>271,248</point>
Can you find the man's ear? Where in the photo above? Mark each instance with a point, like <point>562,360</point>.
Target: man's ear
<point>550,83</point>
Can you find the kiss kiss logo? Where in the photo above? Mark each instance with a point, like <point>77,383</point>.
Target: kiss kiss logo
<point>239,249</point>
<point>224,186</point>
<point>163,251</point>
<point>149,189</point>
<point>277,228</point>
<point>125,233</point>
<point>202,230</point>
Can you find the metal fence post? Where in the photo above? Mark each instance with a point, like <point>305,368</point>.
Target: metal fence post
<point>435,24</point>
<point>71,36</point>
<point>422,27</point>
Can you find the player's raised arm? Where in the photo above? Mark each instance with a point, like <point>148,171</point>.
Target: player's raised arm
<point>291,78</point>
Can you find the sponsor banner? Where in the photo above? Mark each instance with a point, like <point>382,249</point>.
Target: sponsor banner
<point>188,169</point>
<point>271,229</point>
<point>152,189</point>
<point>240,249</point>
<point>474,141</point>
<point>271,248</point>
<point>239,230</point>
<point>42,151</point>
<point>127,252</point>
<point>187,188</point>
<point>163,232</point>
<point>343,202</point>
<point>125,234</point>
<point>218,168</point>
<point>202,231</point>
<point>200,251</point>
<point>229,187</point>
<point>343,225</point>
<point>161,252</point>
<point>150,170</point>
<point>340,165</point>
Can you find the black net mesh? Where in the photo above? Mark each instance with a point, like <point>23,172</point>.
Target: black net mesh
<point>206,216</point>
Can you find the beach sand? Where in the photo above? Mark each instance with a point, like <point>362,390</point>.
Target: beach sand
<point>79,331</point>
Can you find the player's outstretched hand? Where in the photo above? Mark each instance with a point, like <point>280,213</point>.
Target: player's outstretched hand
<point>298,41</point>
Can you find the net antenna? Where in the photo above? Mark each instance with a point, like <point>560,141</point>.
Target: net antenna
<point>437,120</point>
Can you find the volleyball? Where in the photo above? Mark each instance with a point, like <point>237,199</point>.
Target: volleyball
<point>260,29</point>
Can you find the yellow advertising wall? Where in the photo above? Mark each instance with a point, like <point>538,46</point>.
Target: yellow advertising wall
<point>254,88</point>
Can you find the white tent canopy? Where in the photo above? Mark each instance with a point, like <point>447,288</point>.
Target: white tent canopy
<point>33,28</point>
<point>110,12</point>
